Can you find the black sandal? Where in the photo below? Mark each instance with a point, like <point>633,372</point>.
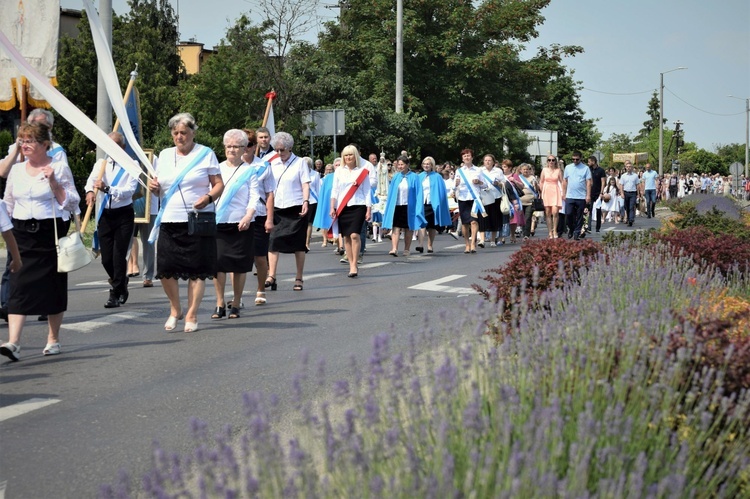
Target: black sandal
<point>271,283</point>
<point>219,313</point>
<point>234,313</point>
<point>297,287</point>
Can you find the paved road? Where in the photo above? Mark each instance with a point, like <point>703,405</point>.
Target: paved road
<point>70,423</point>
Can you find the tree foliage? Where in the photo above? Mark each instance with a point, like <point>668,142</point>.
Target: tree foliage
<point>146,36</point>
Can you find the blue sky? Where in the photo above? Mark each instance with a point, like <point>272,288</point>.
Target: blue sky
<point>627,44</point>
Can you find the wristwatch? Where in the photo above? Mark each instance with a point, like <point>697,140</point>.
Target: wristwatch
<point>105,189</point>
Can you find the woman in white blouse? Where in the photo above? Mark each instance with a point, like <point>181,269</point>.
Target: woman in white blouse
<point>187,179</point>
<point>468,184</point>
<point>291,202</point>
<point>404,209</point>
<point>40,192</point>
<point>235,215</point>
<point>351,185</point>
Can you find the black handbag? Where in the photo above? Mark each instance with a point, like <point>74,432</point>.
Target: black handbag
<point>537,205</point>
<point>202,223</point>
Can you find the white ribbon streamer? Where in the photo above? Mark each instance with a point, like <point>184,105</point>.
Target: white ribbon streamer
<point>109,75</point>
<point>70,112</point>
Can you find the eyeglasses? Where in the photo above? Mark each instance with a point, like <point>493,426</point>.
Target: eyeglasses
<point>234,147</point>
<point>551,160</point>
<point>576,159</point>
<point>28,142</point>
<point>280,150</point>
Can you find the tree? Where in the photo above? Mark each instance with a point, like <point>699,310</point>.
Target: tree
<point>464,82</point>
<point>653,117</point>
<point>146,36</point>
<point>616,143</point>
<point>229,91</point>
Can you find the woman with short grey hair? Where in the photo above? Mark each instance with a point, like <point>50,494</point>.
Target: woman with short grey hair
<point>235,216</point>
<point>291,204</point>
<point>187,179</point>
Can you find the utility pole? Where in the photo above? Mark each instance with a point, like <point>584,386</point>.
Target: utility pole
<point>661,118</point>
<point>399,56</point>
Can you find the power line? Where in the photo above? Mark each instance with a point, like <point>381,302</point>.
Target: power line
<point>702,110</point>
<point>620,93</point>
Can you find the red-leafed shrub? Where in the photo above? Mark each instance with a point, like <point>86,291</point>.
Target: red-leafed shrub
<point>724,250</point>
<point>541,264</point>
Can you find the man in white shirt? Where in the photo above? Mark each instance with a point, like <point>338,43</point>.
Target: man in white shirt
<point>115,221</point>
<point>629,184</point>
<point>649,189</point>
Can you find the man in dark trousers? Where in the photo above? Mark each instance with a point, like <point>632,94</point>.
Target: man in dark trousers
<point>115,220</point>
<point>576,192</point>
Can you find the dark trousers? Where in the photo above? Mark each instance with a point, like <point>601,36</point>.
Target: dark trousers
<point>590,207</point>
<point>528,211</point>
<point>650,195</point>
<point>574,215</point>
<point>630,199</point>
<point>115,229</point>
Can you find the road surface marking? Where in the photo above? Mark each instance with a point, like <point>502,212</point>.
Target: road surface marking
<point>20,408</point>
<point>310,276</point>
<point>108,320</point>
<point>436,285</point>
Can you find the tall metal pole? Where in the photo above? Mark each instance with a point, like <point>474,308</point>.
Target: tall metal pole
<point>747,131</point>
<point>661,118</point>
<point>399,56</point>
<point>103,106</point>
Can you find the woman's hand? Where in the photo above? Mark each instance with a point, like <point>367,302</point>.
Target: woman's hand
<point>153,186</point>
<point>202,202</point>
<point>368,214</point>
<point>244,223</point>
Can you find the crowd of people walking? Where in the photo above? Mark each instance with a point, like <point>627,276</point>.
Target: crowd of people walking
<point>221,221</point>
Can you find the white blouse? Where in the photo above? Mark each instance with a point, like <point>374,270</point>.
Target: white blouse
<point>5,223</point>
<point>28,197</point>
<point>290,176</point>
<point>496,174</point>
<point>343,179</point>
<point>402,198</point>
<point>426,189</point>
<point>245,198</point>
<point>120,195</point>
<point>463,191</point>
<point>195,184</point>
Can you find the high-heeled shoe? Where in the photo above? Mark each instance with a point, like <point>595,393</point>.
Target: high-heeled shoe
<point>298,285</point>
<point>260,298</point>
<point>271,283</point>
<point>219,313</point>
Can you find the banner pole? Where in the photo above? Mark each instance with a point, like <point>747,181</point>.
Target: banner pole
<point>270,96</point>
<point>103,161</point>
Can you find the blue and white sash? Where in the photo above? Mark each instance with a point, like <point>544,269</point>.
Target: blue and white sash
<point>200,155</point>
<point>478,206</point>
<point>492,183</point>
<point>256,169</point>
<point>528,185</point>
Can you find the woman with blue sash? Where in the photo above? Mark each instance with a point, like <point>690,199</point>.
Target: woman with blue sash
<point>435,204</point>
<point>187,179</point>
<point>235,218</point>
<point>404,209</point>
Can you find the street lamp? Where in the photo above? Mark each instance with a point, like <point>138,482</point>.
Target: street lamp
<point>661,118</point>
<point>747,130</point>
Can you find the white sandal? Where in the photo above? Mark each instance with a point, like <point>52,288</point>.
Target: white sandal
<point>260,298</point>
<point>52,349</point>
<point>190,327</point>
<point>172,322</point>
<point>11,350</point>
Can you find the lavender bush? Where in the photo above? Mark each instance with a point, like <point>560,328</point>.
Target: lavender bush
<point>584,403</point>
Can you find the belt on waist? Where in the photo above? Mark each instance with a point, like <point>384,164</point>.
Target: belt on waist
<point>33,225</point>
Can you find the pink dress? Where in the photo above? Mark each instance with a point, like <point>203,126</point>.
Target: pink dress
<point>551,195</point>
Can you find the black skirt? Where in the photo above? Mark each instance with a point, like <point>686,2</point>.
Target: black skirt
<point>493,221</point>
<point>401,217</point>
<point>38,288</point>
<point>312,209</point>
<point>429,214</point>
<point>180,256</point>
<point>352,219</point>
<point>260,236</point>
<point>464,211</point>
<point>290,232</point>
<point>234,248</point>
